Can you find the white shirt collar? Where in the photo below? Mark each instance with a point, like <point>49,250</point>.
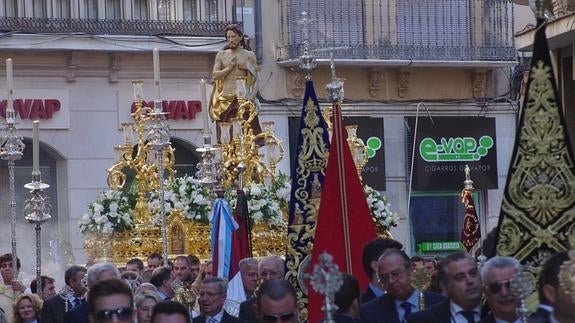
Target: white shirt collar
<point>218,316</point>
<point>458,316</point>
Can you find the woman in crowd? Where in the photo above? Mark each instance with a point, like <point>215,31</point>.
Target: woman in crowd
<point>145,303</point>
<point>27,308</point>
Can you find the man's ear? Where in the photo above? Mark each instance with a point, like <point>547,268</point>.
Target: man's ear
<point>549,292</point>
<point>373,265</point>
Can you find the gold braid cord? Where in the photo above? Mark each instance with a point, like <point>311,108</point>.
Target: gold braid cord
<point>311,162</point>
<point>537,213</point>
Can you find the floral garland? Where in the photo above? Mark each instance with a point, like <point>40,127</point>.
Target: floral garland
<point>110,212</point>
<point>380,208</point>
<point>186,194</point>
<point>264,203</point>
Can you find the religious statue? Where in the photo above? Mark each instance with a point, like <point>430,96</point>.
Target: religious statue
<point>235,72</point>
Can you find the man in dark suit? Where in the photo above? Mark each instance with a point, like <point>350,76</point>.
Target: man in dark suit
<point>460,278</point>
<point>563,306</point>
<point>213,292</point>
<point>270,267</point>
<point>96,273</point>
<point>347,301</point>
<point>71,296</point>
<point>371,253</point>
<point>401,299</point>
<point>276,302</point>
<point>496,274</point>
<point>110,300</point>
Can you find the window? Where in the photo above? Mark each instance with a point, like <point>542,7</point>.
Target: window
<point>61,9</point>
<point>113,9</point>
<point>212,10</point>
<point>141,10</point>
<point>39,9</point>
<point>91,7</point>
<point>190,10</point>
<point>164,10</point>
<point>11,8</point>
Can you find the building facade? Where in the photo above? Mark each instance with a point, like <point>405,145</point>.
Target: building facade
<point>404,62</point>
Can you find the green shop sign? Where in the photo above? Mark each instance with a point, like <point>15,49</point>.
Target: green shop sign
<point>455,149</point>
<point>438,246</point>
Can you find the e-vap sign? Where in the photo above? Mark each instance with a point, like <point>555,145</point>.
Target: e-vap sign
<point>443,148</point>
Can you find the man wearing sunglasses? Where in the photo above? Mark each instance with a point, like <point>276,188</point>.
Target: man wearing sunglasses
<point>460,278</point>
<point>496,274</point>
<point>277,302</point>
<point>401,299</point>
<point>111,301</point>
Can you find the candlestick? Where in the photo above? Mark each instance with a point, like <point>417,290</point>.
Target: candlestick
<point>157,73</point>
<point>35,147</point>
<point>204,105</point>
<point>10,117</point>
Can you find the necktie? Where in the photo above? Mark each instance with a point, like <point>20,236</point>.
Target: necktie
<point>212,320</point>
<point>77,302</point>
<point>407,307</point>
<point>469,315</point>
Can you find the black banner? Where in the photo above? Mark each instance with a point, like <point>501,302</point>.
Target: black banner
<point>445,145</point>
<point>371,131</point>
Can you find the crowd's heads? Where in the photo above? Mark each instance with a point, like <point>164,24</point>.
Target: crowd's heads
<point>154,261</point>
<point>7,268</point>
<point>182,268</point>
<point>563,305</point>
<point>271,267</point>
<point>162,278</point>
<point>26,308</point>
<point>496,274</point>
<point>394,271</point>
<point>136,265</point>
<point>276,300</point>
<point>73,277</point>
<point>145,303</point>
<point>249,272</point>
<point>194,266</point>
<point>101,271</point>
<point>347,297</point>
<point>371,252</point>
<point>172,312</point>
<point>213,293</point>
<point>459,276</point>
<point>110,300</point>
<point>48,287</point>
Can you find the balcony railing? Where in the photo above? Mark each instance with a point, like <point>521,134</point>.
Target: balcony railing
<point>425,30</point>
<point>114,27</point>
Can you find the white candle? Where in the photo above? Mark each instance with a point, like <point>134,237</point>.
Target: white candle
<point>35,147</point>
<point>204,105</point>
<point>157,72</point>
<point>9,90</point>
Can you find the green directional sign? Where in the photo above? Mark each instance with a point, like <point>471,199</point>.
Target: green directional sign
<point>455,149</point>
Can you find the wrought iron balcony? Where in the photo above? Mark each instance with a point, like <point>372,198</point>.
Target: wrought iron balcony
<point>113,27</point>
<point>412,30</point>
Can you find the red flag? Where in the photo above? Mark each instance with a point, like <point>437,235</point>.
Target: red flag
<point>344,223</point>
<point>241,238</point>
<point>470,234</point>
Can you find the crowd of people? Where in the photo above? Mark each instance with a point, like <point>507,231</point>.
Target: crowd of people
<point>458,291</point>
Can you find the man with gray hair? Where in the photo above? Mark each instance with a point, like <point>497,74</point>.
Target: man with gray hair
<point>212,297</point>
<point>244,283</point>
<point>496,275</point>
<point>270,267</point>
<point>96,273</point>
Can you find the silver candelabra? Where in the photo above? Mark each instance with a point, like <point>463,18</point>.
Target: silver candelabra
<point>11,150</point>
<point>521,286</point>
<point>37,210</point>
<point>159,139</point>
<point>326,279</point>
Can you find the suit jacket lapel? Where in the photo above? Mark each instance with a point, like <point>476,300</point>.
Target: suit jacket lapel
<point>388,304</point>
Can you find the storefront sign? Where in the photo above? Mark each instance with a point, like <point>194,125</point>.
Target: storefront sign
<point>176,109</point>
<point>445,145</point>
<point>439,246</point>
<point>32,109</point>
<point>50,106</point>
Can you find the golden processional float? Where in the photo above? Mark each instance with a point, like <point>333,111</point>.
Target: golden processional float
<point>141,214</point>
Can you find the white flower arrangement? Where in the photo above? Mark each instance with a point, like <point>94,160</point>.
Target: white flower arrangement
<point>110,212</point>
<point>281,190</point>
<point>380,208</point>
<point>263,204</point>
<point>185,194</point>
